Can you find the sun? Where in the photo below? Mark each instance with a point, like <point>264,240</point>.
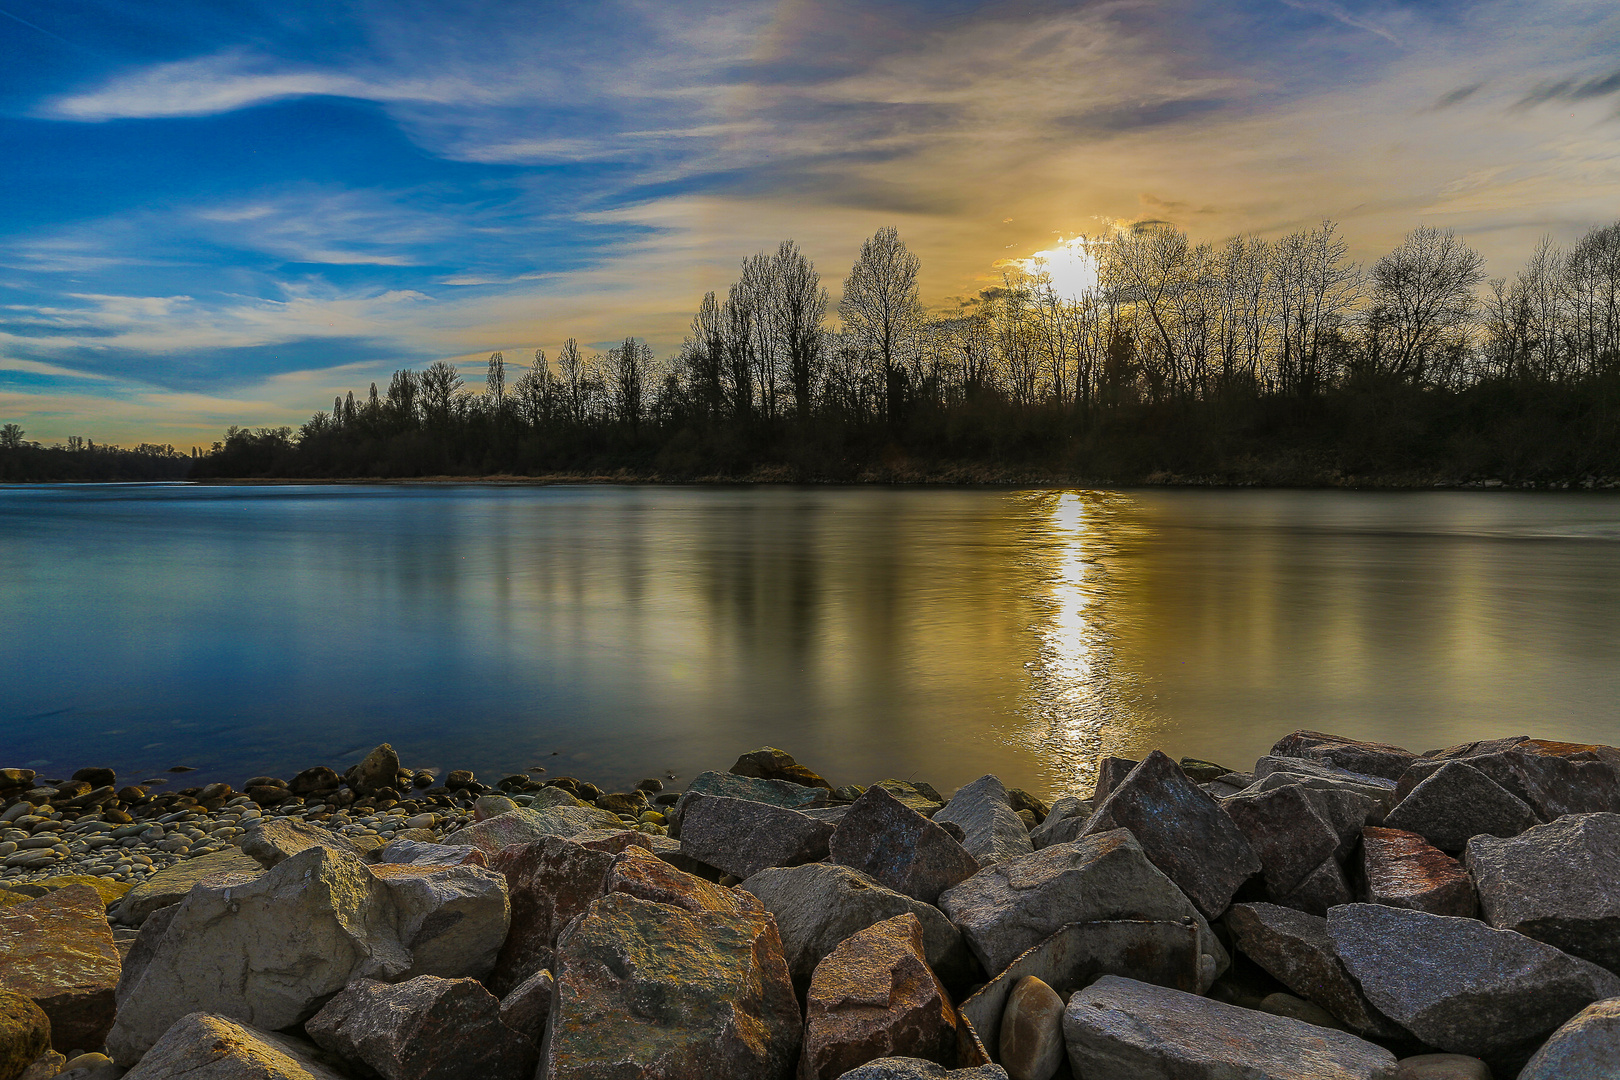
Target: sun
<point>1071,267</point>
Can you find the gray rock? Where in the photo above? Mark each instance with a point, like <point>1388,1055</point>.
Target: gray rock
<point>1063,823</point>
<point>1458,802</point>
<point>1553,778</point>
<point>1295,949</point>
<point>1110,771</point>
<point>1011,907</point>
<point>1286,831</point>
<point>1442,1067</point>
<point>783,793</point>
<point>526,1008</point>
<point>268,951</point>
<point>421,853</point>
<point>1402,869</point>
<point>743,837</point>
<point>819,905</point>
<point>1585,1048</point>
<point>525,825</point>
<point>1461,986</point>
<point>379,769</point>
<point>1123,1028</point>
<point>451,919</point>
<point>275,840</point>
<point>992,832</point>
<point>549,882</point>
<point>1162,953</point>
<point>423,1029</point>
<point>1558,883</point>
<point>171,884</point>
<point>1183,831</point>
<point>1368,758</point>
<point>1273,772</point>
<point>903,850</point>
<point>1323,888</point>
<point>918,1069</point>
<point>489,806</point>
<point>203,1047</point>
<point>549,797</point>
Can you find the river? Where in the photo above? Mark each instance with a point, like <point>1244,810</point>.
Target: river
<point>614,633</point>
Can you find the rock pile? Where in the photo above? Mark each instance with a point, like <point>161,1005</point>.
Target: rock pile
<point>1343,910</point>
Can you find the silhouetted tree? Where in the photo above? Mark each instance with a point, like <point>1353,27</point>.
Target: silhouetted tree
<point>881,307</point>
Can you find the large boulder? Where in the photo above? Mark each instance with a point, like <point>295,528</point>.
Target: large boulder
<point>451,919</point>
<point>1274,772</point>
<point>1553,778</point>
<point>1120,1027</point>
<point>1404,870</point>
<point>377,770</point>
<point>821,904</point>
<point>1294,948</point>
<point>1013,906</point>
<point>203,1047</point>
<point>549,882</point>
<point>1457,802</point>
<point>1288,833</point>
<point>875,996</point>
<point>171,884</point>
<point>1587,1047</point>
<point>525,825</point>
<point>1183,831</point>
<point>769,763</point>
<point>903,850</point>
<point>904,1068</point>
<point>919,797</point>
<point>1063,823</point>
<point>991,831</point>
<point>57,951</point>
<point>270,950</point>
<point>426,1028</point>
<point>25,1034</point>
<point>275,840</point>
<point>1558,883</point>
<point>743,837</point>
<point>637,872</point>
<point>649,990</point>
<point>1353,755</point>
<point>1030,1041</point>
<point>783,793</point>
<point>1461,986</point>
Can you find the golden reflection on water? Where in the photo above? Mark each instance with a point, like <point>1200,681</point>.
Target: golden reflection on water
<point>1083,702</point>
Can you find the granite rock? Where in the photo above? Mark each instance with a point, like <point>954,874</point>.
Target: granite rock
<point>171,884</point>
<point>548,882</point>
<point>742,837</point>
<point>902,1068</point>
<point>1063,823</point>
<point>526,1008</point>
<point>377,770</point>
<point>783,793</point>
<point>452,920</point>
<point>1404,870</point>
<point>203,1047</point>
<point>425,1028</point>
<point>25,1034</point>
<point>274,840</point>
<point>57,951</point>
<point>638,872</point>
<point>1457,802</point>
<point>899,847</point>
<point>1353,755</point>
<point>1587,1047</point>
<point>769,763</point>
<point>525,825</point>
<point>992,831</point>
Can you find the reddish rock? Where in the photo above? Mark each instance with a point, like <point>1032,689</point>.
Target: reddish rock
<point>1182,829</point>
<point>426,1028</point>
<point>1110,771</point>
<point>900,848</point>
<point>769,763</point>
<point>548,882</point>
<point>25,1034</point>
<point>654,992</point>
<point>874,997</point>
<point>639,873</point>
<point>1404,870</point>
<point>525,1009</point>
<point>58,951</point>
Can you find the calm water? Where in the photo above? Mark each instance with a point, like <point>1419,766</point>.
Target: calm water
<point>615,633</point>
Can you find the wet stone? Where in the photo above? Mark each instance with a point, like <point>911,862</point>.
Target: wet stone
<point>903,850</point>
<point>1403,870</point>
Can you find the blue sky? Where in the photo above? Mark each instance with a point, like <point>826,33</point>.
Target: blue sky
<point>226,212</point>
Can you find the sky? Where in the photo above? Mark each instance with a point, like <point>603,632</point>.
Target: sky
<point>220,212</point>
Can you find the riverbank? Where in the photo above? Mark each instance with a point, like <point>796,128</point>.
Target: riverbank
<point>1343,909</point>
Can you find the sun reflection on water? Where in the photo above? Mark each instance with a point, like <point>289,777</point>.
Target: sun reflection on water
<point>1082,701</point>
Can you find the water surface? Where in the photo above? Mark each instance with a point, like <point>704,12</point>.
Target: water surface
<point>614,633</point>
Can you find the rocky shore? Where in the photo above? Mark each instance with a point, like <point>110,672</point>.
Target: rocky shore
<point>1340,910</point>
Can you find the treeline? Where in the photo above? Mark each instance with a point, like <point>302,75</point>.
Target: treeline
<point>1148,357</point>
<point>23,462</point>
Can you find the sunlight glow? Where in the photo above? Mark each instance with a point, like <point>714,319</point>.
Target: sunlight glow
<point>1071,267</point>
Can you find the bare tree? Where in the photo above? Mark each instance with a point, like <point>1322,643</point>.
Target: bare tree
<point>1314,287</point>
<point>881,308</point>
<point>439,384</point>
<point>571,367</point>
<point>536,392</point>
<point>495,381</point>
<point>1422,301</point>
<point>737,318</point>
<point>1592,283</point>
<point>705,353</point>
<point>11,437</point>
<point>800,305</point>
<point>629,368</point>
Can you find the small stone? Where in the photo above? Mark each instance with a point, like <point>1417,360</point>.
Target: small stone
<point>1587,1047</point>
<point>44,1067</point>
<point>426,1028</point>
<point>1442,1067</point>
<point>1032,1031</point>
<point>1404,870</point>
<point>97,777</point>
<point>1370,758</point>
<point>875,996</point>
<point>1280,1004</point>
<point>903,850</point>
<point>488,806</point>
<point>769,763</point>
<point>308,782</point>
<point>376,771</point>
<point>460,780</point>
<point>274,840</point>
